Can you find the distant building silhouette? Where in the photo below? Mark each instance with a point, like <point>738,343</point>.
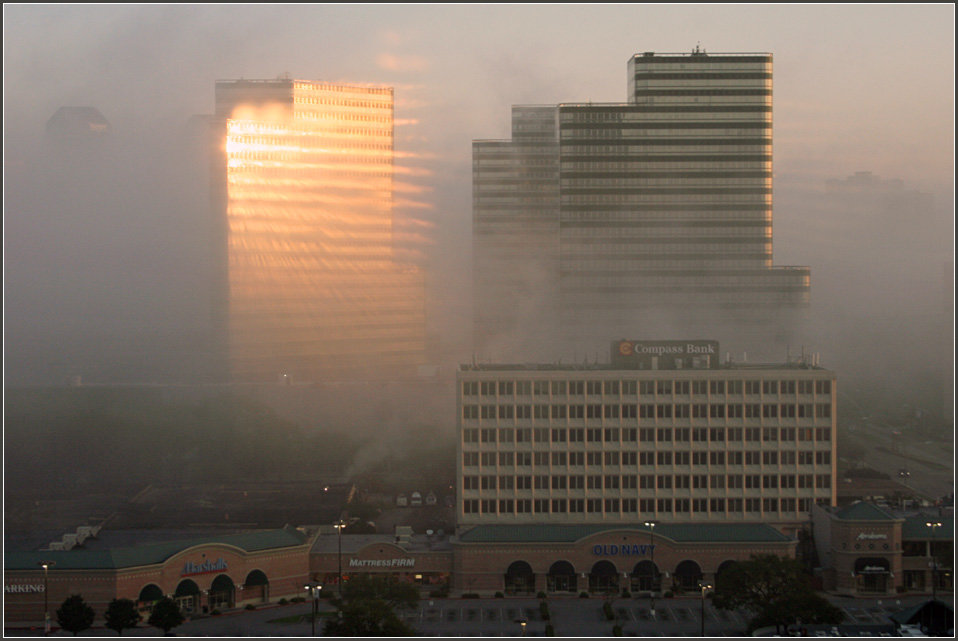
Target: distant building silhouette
<point>600,219</point>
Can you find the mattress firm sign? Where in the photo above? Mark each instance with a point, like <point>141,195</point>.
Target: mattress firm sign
<point>691,354</point>
<point>382,563</point>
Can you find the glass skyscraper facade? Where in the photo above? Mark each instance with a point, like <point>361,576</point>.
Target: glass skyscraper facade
<point>658,210</point>
<point>311,289</point>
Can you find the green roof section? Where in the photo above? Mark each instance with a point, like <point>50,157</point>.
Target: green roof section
<point>678,532</point>
<point>916,527</point>
<point>862,511</point>
<point>151,554</point>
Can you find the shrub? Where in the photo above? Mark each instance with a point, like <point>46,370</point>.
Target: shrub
<point>541,595</point>
<point>668,594</point>
<point>250,606</point>
<point>215,612</point>
<point>470,595</point>
<point>544,610</point>
<point>283,601</point>
<point>583,595</point>
<point>550,631</point>
<point>500,595</point>
<point>626,594</point>
<point>617,630</point>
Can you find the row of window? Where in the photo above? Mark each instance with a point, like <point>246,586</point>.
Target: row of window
<point>581,459</point>
<point>631,387</point>
<point>648,410</point>
<point>509,435</point>
<point>648,482</point>
<point>634,506</point>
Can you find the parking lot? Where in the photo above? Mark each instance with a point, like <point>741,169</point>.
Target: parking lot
<point>570,617</point>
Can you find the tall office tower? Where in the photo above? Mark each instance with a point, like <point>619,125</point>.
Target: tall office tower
<point>311,289</point>
<point>663,209</point>
<point>516,233</point>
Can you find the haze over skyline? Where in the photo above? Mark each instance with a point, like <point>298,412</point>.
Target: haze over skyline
<point>856,88</point>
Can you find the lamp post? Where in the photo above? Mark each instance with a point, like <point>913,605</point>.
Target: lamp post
<point>704,586</point>
<point>46,565</point>
<point>522,627</point>
<point>934,560</point>
<point>339,525</point>
<point>651,525</point>
<point>314,589</point>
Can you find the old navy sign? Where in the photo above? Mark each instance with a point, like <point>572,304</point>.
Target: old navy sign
<point>626,549</point>
<point>205,567</point>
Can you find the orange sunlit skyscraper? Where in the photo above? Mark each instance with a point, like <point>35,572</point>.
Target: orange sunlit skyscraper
<point>310,288</point>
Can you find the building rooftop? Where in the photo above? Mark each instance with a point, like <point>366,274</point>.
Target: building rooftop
<point>678,532</point>
<point>353,543</point>
<point>81,558</point>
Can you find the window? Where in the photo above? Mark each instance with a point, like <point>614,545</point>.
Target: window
<point>717,387</point>
<point>507,482</point>
<point>786,411</point>
<point>611,458</point>
<point>734,411</point>
<point>470,459</point>
<point>559,506</point>
<point>770,387</point>
<point>646,411</point>
<point>505,388</point>
<point>770,457</point>
<point>611,387</point>
<point>734,482</point>
<point>576,435</point>
<point>630,410</point>
<point>683,411</point>
<point>663,387</point>
<point>806,457</point>
<point>682,387</point>
<point>683,458</point>
<point>523,388</point>
<point>594,434</point>
<point>770,505</point>
<point>700,387</point>
<point>612,505</point>
<point>507,458</point>
<point>663,411</point>
<point>717,458</point>
<point>628,388</point>
<point>629,505</point>
<point>717,482</point>
<point>559,458</point>
<point>700,458</point>
<point>805,387</point>
<point>683,482</point>
<point>753,505</point>
<point>577,458</point>
<point>664,458</point>
<point>593,411</point>
<point>770,481</point>
<point>682,434</point>
<point>540,506</point>
<point>558,411</point>
<point>753,410</point>
<point>700,505</point>
<point>823,387</point>
<point>787,387</point>
<point>487,411</point>
<point>769,434</point>
<point>576,388</point>
<point>611,482</point>
<point>646,458</point>
<point>577,411</point>
<point>487,482</point>
<point>716,505</point>
<point>788,435</point>
<point>470,506</point>
<point>823,434</point>
<point>558,388</point>
<point>523,482</point>
<point>647,387</point>
<point>506,411</point>
<point>470,482</point>
<point>664,505</point>
<point>630,481</point>
<point>541,411</point>
<point>594,458</point>
<point>787,481</point>
<point>540,388</point>
<point>630,434</point>
<point>647,505</point>
<point>470,388</point>
<point>752,457</point>
<point>559,482</point>
<point>470,435</point>
<point>487,388</point>
<point>733,505</point>
<point>823,458</point>
<point>524,435</point>
<point>488,459</point>
<point>700,434</point>
<point>769,411</point>
<point>700,411</point>
<point>611,435</point>
<point>524,458</point>
<point>576,505</point>
<point>594,387</point>
<point>594,506</point>
<point>752,387</point>
<point>753,482</point>
<point>611,411</point>
<point>647,482</point>
<point>734,458</point>
<point>717,434</point>
<point>577,482</point>
<point>663,434</point>
<point>700,482</point>
<point>734,387</point>
<point>507,506</point>
<point>541,434</point>
<point>507,435</point>
<point>559,435</point>
<point>470,411</point>
<point>541,459</point>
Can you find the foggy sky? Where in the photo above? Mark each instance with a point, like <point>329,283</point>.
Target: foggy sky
<point>856,88</point>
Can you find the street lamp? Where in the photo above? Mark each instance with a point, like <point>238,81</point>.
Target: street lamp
<point>339,525</point>
<point>46,565</point>
<point>704,586</point>
<point>314,589</point>
<point>651,525</point>
<point>522,627</point>
<point>934,560</point>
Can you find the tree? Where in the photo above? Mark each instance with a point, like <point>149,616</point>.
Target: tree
<point>368,608</point>
<point>75,615</point>
<point>776,590</point>
<point>166,615</point>
<point>396,594</point>
<point>121,614</point>
<point>367,618</point>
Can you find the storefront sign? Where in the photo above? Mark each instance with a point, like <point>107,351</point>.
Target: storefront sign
<point>206,567</point>
<point>864,536</point>
<point>382,563</point>
<point>626,549</point>
<point>23,588</point>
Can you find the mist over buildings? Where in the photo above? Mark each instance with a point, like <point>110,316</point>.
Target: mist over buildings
<point>107,256</point>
